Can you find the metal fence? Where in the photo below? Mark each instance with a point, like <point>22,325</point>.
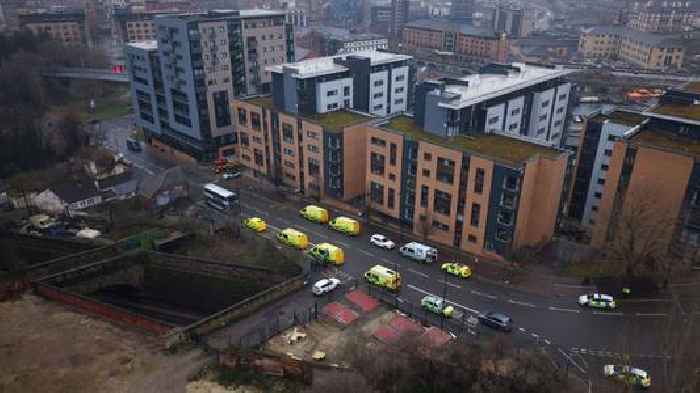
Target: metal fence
<point>264,331</point>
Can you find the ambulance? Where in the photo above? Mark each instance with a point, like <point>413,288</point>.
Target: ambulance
<point>293,238</point>
<point>345,225</point>
<point>315,213</point>
<point>384,277</point>
<point>327,253</point>
<point>419,252</point>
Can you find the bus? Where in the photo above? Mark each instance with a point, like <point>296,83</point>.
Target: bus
<point>219,197</point>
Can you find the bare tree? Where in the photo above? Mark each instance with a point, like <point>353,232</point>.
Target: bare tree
<point>425,226</point>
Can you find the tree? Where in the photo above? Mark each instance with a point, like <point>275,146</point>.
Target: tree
<point>425,226</point>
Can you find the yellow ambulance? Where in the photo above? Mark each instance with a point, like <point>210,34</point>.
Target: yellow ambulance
<point>327,253</point>
<point>346,225</point>
<point>315,213</point>
<point>293,238</point>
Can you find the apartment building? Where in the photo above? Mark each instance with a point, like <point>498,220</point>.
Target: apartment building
<point>519,101</point>
<point>399,17</point>
<point>661,16</point>
<point>462,10</point>
<point>485,194</point>
<point>658,52</point>
<point>331,41</point>
<point>654,178</point>
<point>66,26</point>
<point>373,82</point>
<point>466,42</point>
<point>319,155</point>
<point>183,83</point>
<point>510,19</point>
<point>593,160</point>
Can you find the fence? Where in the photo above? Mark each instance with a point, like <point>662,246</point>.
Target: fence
<point>262,332</point>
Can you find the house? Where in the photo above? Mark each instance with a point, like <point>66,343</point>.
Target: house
<point>118,187</point>
<point>165,187</point>
<point>76,194</point>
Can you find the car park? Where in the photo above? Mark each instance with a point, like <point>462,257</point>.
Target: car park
<point>382,241</point>
<point>457,269</point>
<point>256,224</point>
<point>325,286</point>
<point>498,321</point>
<point>597,300</point>
<point>633,376</point>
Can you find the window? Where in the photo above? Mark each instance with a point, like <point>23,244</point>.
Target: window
<point>255,120</point>
<point>244,139</point>
<point>346,103</point>
<point>378,107</point>
<point>391,194</point>
<point>312,148</point>
<point>332,93</point>
<point>427,156</point>
<point>508,201</point>
<point>505,217</point>
<point>479,180</point>
<point>594,208</point>
<point>545,104</point>
<point>424,194</point>
<point>287,133</point>
<point>541,131</point>
<point>440,226</point>
<point>557,123</point>
<point>398,102</point>
<point>493,120</point>
<point>608,152</point>
<point>257,140</point>
<point>312,134</point>
<point>601,181</point>
<point>471,238</point>
<point>392,154</point>
<point>378,95</point>
<point>510,183</point>
<point>379,83</point>
<point>376,163</point>
<point>445,170</point>
<point>504,235</point>
<point>515,112</point>
<point>560,110</point>
<point>426,172</point>
<point>512,126</point>
<point>442,202</point>
<point>377,141</point>
<point>400,78</point>
<point>399,90</point>
<point>604,167</point>
<point>543,117</point>
<point>242,117</point>
<point>288,164</point>
<point>314,167</point>
<point>476,211</point>
<point>597,195</point>
<point>346,90</point>
<point>376,193</point>
<point>288,152</point>
<point>332,106</point>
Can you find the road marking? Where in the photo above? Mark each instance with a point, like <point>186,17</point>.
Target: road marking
<point>423,291</point>
<point>522,330</point>
<point>388,262</point>
<point>639,314</point>
<point>570,359</point>
<point>552,308</point>
<point>477,293</point>
<point>547,342</point>
<point>369,254</point>
<point>615,314</point>
<point>321,235</point>
<point>450,284</point>
<point>524,304</point>
<point>400,300</point>
<point>417,272</point>
<point>274,228</point>
<point>343,244</point>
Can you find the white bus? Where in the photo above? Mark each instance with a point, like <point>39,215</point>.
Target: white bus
<point>219,197</point>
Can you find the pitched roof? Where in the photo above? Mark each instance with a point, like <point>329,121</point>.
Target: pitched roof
<point>170,177</point>
<point>115,180</point>
<point>75,190</point>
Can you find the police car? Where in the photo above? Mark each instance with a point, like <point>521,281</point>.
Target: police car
<point>381,241</point>
<point>597,300</point>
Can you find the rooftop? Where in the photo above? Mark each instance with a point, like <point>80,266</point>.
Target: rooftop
<point>343,34</point>
<point>145,45</point>
<point>224,14</point>
<point>444,25</point>
<point>625,118</point>
<point>668,40</point>
<point>264,102</point>
<point>500,148</point>
<point>326,65</point>
<point>668,141</point>
<point>689,112</point>
<point>485,86</point>
<point>339,119</point>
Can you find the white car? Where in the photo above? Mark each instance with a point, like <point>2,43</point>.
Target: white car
<point>382,241</point>
<point>231,175</point>
<point>324,286</point>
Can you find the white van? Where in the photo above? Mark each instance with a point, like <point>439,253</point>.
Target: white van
<point>419,252</point>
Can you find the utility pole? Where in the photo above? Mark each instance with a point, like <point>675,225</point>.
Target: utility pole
<point>444,298</point>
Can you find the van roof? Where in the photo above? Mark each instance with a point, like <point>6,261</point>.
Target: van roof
<point>383,269</point>
<point>292,230</point>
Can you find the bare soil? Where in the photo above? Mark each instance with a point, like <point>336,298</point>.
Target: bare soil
<point>46,347</point>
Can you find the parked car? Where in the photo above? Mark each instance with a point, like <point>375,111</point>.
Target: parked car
<point>382,241</point>
<point>597,300</point>
<point>419,252</point>
<point>497,321</point>
<point>324,286</point>
<point>231,175</point>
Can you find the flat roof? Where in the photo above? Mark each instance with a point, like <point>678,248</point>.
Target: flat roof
<point>146,45</point>
<point>666,40</point>
<point>623,117</point>
<point>678,111</point>
<point>325,65</point>
<point>217,14</point>
<point>500,148</point>
<point>668,141</point>
<point>482,87</point>
<point>265,101</point>
<point>447,25</point>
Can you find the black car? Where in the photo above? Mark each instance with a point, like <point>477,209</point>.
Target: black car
<point>497,321</point>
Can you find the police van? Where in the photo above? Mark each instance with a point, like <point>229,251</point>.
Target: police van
<point>419,252</point>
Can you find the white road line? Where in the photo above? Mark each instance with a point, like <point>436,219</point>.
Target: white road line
<point>614,314</point>
<point>369,254</point>
<point>486,295</point>
<point>321,235</point>
<point>639,314</point>
<point>522,330</point>
<point>423,291</point>
<point>570,359</point>
<point>343,244</point>
<point>450,284</point>
<point>552,308</point>
<point>547,342</point>
<point>524,304</point>
<point>417,272</point>
<point>274,228</point>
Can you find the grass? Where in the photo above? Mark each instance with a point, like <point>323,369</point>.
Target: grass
<point>339,119</point>
<point>265,102</point>
<point>626,118</point>
<point>116,104</point>
<point>669,141</point>
<point>498,147</point>
<point>691,112</point>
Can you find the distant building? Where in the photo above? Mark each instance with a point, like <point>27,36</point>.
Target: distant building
<point>658,52</point>
<point>297,17</point>
<point>399,17</point>
<point>70,196</point>
<point>129,26</point>
<point>462,10</point>
<point>657,16</point>
<point>653,180</point>
<point>380,18</point>
<point>518,101</point>
<point>331,41</point>
<point>183,84</point>
<point>461,40</point>
<point>66,26</point>
<point>373,82</point>
<point>511,20</point>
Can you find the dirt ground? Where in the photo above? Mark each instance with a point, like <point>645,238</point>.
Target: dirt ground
<point>46,347</point>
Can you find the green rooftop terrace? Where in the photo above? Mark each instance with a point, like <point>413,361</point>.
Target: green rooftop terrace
<point>626,118</point>
<point>668,141</point>
<point>500,148</point>
<point>338,119</point>
<point>690,112</point>
<point>265,102</point>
